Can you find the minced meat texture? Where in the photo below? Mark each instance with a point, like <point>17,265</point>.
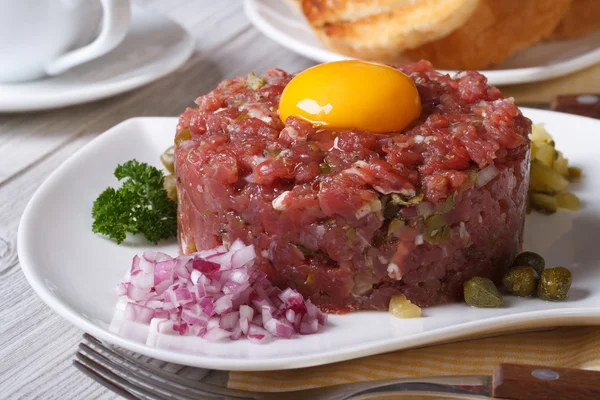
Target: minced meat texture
<point>331,212</point>
<point>464,123</point>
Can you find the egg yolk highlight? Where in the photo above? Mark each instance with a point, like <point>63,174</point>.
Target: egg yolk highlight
<point>352,94</point>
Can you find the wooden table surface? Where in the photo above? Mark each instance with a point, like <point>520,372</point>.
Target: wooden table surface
<point>36,345</point>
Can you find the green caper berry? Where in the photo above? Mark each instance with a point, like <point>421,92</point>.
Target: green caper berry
<point>521,281</point>
<point>530,259</point>
<point>554,284</point>
<point>481,292</point>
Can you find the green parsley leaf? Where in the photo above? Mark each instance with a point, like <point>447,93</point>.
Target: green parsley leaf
<point>139,206</point>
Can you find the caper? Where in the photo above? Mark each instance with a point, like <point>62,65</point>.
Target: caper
<point>530,259</point>
<point>554,284</point>
<point>521,281</point>
<point>481,292</point>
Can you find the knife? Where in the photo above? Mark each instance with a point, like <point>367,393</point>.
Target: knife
<point>508,381</point>
<point>586,104</point>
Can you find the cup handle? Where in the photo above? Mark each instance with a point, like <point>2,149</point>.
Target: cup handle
<point>115,22</point>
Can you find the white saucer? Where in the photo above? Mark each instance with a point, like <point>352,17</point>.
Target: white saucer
<point>539,62</point>
<point>154,47</point>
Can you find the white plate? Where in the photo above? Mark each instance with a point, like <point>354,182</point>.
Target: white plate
<point>154,46</point>
<point>539,62</point>
<point>75,271</point>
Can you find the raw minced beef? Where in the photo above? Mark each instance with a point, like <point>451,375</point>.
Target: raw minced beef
<point>350,218</point>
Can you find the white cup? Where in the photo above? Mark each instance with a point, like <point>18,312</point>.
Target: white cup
<point>48,37</point>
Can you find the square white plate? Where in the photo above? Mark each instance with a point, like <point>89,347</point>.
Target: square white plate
<point>542,61</point>
<point>75,271</point>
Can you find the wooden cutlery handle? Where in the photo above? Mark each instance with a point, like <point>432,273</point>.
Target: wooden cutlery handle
<point>587,105</point>
<point>529,382</point>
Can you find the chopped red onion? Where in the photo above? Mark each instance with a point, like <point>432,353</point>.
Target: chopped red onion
<point>139,313</point>
<point>214,294</point>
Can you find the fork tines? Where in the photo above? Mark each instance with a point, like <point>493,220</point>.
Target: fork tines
<point>137,378</point>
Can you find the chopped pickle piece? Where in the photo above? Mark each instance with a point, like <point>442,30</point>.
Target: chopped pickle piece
<point>351,233</point>
<point>568,200</point>
<point>561,165</point>
<point>545,179</point>
<point>182,136</point>
<point>544,203</point>
<point>168,159</point>
<point>545,153</point>
<point>530,259</point>
<point>574,174</point>
<point>534,148</point>
<point>554,284</point>
<point>244,115</point>
<point>310,278</point>
<point>170,185</point>
<point>449,203</point>
<point>481,292</point>
<point>436,229</point>
<point>255,82</point>
<point>393,203</point>
<point>402,201</point>
<point>401,307</point>
<point>324,168</point>
<point>521,281</point>
<point>540,135</point>
<point>395,226</point>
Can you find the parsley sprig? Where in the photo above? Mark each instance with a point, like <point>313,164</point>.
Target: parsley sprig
<point>139,206</point>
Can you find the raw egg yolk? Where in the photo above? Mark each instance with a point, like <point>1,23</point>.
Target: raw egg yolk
<point>352,94</point>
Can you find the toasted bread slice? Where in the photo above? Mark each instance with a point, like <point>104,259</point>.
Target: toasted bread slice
<point>583,17</point>
<point>359,28</point>
<point>321,12</point>
<point>495,31</point>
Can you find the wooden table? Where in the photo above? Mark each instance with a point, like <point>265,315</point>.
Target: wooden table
<point>36,345</point>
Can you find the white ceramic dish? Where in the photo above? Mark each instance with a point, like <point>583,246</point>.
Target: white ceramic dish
<point>154,47</point>
<point>542,61</point>
<point>75,271</point>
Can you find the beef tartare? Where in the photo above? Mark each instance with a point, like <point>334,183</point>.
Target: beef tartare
<point>350,218</point>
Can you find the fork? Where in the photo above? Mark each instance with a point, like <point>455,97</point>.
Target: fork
<point>136,379</point>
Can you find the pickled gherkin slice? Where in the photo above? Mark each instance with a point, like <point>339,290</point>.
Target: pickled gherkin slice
<point>540,135</point>
<point>574,174</point>
<point>567,200</point>
<point>401,307</point>
<point>561,165</point>
<point>543,203</point>
<point>545,179</point>
<point>545,153</point>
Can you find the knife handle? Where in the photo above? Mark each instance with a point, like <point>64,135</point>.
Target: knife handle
<point>587,104</point>
<point>529,382</point>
